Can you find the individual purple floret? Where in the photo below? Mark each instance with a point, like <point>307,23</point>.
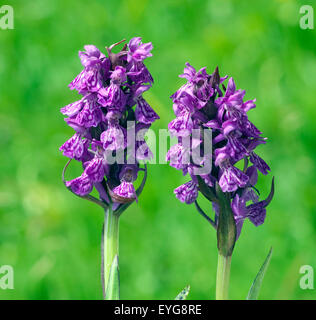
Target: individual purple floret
<point>187,192</point>
<point>111,87</point>
<point>205,103</point>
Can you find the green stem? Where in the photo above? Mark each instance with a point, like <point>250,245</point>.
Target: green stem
<point>110,245</point>
<point>222,278</point>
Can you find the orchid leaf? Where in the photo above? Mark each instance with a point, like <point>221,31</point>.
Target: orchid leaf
<point>203,214</point>
<point>226,229</point>
<point>113,286</point>
<point>256,285</point>
<point>183,294</point>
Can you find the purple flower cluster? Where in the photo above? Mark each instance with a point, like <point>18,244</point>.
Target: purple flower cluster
<point>205,103</point>
<point>110,87</point>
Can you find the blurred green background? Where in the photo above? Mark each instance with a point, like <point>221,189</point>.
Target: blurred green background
<point>52,238</point>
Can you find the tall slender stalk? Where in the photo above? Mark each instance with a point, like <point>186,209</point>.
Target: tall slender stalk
<point>222,278</point>
<point>226,238</point>
<point>110,248</point>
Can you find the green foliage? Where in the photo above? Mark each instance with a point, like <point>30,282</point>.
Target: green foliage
<point>52,238</point>
<point>183,294</point>
<point>226,230</point>
<point>256,285</point>
<point>112,291</point>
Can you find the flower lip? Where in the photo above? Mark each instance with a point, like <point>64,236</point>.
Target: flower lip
<point>138,51</point>
<point>187,192</point>
<point>118,76</point>
<point>119,194</point>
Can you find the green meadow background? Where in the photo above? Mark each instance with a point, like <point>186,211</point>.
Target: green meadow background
<point>52,238</point>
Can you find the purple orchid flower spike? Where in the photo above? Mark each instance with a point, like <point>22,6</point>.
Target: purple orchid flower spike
<point>200,103</point>
<point>111,88</point>
<point>100,115</point>
<point>205,103</point>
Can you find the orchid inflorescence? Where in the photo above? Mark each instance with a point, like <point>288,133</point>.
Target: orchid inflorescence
<point>110,87</point>
<point>205,103</point>
<point>216,145</point>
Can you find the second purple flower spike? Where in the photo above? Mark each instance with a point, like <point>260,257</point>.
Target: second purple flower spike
<point>205,103</point>
<point>211,121</point>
